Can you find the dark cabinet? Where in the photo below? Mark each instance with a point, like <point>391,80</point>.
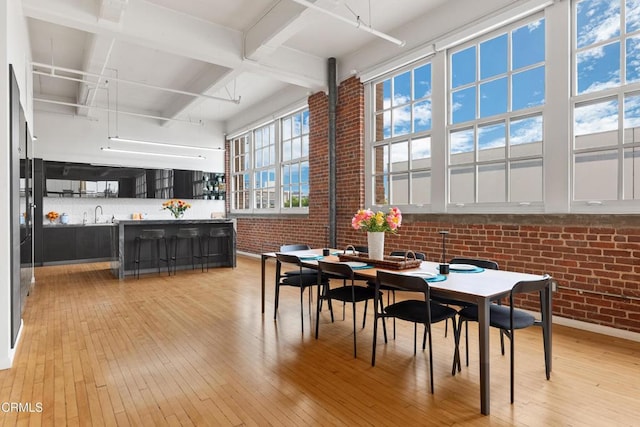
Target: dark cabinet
<point>93,242</point>
<point>58,243</point>
<point>74,243</point>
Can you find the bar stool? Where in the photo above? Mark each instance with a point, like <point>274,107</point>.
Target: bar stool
<point>192,235</point>
<point>152,235</point>
<point>216,234</point>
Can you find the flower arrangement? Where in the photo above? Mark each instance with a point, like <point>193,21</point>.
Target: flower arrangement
<point>176,207</point>
<point>52,215</point>
<point>367,220</point>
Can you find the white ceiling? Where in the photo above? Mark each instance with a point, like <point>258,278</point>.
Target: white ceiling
<point>251,50</point>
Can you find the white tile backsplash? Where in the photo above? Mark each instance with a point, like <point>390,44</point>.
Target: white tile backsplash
<point>75,207</point>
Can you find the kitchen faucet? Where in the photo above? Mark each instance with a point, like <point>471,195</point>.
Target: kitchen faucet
<point>95,214</point>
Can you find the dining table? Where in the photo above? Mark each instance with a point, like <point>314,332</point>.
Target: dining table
<point>480,287</point>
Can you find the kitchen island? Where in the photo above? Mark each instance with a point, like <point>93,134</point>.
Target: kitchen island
<point>221,248</point>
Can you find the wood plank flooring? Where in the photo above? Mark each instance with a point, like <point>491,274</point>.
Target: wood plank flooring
<point>194,349</point>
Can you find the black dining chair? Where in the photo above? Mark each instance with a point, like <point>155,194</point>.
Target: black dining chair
<point>508,318</point>
<point>391,292</point>
<point>298,247</point>
<point>423,310</point>
<point>349,292</point>
<point>482,263</point>
<point>300,280</point>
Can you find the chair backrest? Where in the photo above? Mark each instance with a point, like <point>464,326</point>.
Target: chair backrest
<point>152,234</point>
<point>418,255</point>
<point>294,247</point>
<point>528,286</point>
<point>288,258</point>
<point>482,263</point>
<point>188,233</point>
<point>402,282</point>
<point>220,232</point>
<point>336,269</point>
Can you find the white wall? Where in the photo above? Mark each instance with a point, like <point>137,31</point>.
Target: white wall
<point>14,49</point>
<point>65,137</point>
<point>75,207</point>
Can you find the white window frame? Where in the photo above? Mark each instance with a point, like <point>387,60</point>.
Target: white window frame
<point>277,166</point>
<point>370,135</point>
<point>508,160</point>
<point>618,92</point>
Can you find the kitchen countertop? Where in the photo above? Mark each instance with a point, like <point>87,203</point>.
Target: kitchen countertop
<point>172,221</point>
<point>89,224</point>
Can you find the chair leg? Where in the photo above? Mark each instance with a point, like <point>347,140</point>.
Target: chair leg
<point>446,328</point>
<point>501,341</point>
<point>138,243</point>
<point>275,304</point>
<point>466,340</point>
<point>364,317</point>
<point>415,331</point>
<point>302,308</point>
<point>384,322</point>
<point>319,298</point>
<point>355,355</point>
<point>456,356</point>
<point>394,319</point>
<point>430,358</point>
<point>511,339</point>
<point>456,339</point>
<point>158,254</point>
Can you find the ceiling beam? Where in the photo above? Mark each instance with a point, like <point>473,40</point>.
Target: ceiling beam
<point>208,83</point>
<point>159,28</point>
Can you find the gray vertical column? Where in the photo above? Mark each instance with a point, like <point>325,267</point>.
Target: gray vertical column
<point>333,101</point>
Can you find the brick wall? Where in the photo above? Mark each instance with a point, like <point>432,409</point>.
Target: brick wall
<point>595,258</point>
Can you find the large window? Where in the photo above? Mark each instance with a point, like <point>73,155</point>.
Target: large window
<point>270,167</point>
<point>240,167</point>
<point>495,125</point>
<point>295,160</point>
<point>402,147</point>
<point>606,101</point>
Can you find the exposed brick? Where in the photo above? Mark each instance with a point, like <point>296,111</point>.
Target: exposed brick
<point>578,254</point>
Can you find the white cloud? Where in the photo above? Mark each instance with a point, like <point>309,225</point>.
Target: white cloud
<point>632,112</point>
<point>462,141</point>
<point>595,118</point>
<point>603,22</point>
<point>526,131</point>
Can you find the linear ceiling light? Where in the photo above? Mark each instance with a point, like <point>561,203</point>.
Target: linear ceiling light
<point>357,23</point>
<point>162,144</point>
<point>147,153</point>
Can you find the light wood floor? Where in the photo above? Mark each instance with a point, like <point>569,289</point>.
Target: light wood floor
<point>194,349</point>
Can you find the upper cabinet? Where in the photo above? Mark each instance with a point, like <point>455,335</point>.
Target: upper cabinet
<point>64,179</point>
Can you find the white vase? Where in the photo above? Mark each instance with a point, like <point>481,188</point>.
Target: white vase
<point>375,240</point>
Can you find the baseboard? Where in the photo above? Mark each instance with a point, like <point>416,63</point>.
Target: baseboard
<point>7,362</point>
<point>598,329</point>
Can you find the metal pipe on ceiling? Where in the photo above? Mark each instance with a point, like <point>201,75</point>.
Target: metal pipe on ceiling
<point>73,79</point>
<point>357,23</point>
<point>55,68</point>
<point>111,110</point>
